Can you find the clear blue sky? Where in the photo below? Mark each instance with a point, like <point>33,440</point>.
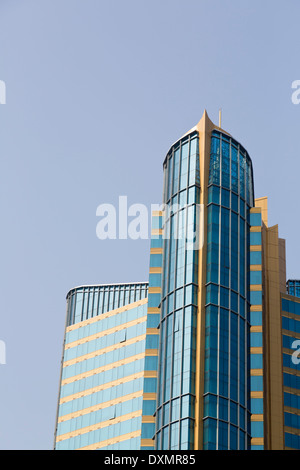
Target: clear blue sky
<point>97,91</point>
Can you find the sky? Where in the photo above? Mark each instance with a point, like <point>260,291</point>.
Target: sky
<point>96,93</point>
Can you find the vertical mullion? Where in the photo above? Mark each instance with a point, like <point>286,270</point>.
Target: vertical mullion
<point>102,303</point>
<point>219,287</point>
<point>83,302</point>
<point>93,297</point>
<point>97,310</point>
<point>175,277</point>
<point>183,323</point>
<point>239,275</point>
<point>163,375</point>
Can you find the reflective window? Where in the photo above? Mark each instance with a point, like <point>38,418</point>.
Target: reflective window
<point>176,369</point>
<point>230,196</point>
<point>87,302</point>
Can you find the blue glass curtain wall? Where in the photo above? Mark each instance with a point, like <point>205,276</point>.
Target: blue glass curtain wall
<point>293,287</point>
<point>230,196</point>
<point>176,384</point>
<point>87,302</point>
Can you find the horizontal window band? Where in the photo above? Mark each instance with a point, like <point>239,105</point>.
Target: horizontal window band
<point>151,352</point>
<point>154,290</point>
<point>288,351</point>
<point>258,350</point>
<point>255,267</point>
<point>255,210</point>
<point>291,334</point>
<point>257,417</point>
<point>150,373</point>
<point>106,386</point>
<point>148,419</point>
<point>111,313</point>
<point>98,352</point>
<point>256,329</point>
<point>100,406</point>
<point>291,316</point>
<point>149,396</point>
<point>152,331</point>
<point>291,430</point>
<point>256,287</point>
<point>291,390</point>
<point>157,231</point>
<point>101,425</point>
<point>255,229</point>
<point>147,442</point>
<point>255,248</point>
<point>153,310</point>
<point>155,270</point>
<point>256,308</point>
<point>157,213</point>
<point>292,371</point>
<point>114,440</point>
<point>110,366</point>
<point>257,441</point>
<point>256,372</point>
<point>100,334</point>
<point>256,394</point>
<point>290,297</point>
<point>294,411</point>
<point>156,251</point>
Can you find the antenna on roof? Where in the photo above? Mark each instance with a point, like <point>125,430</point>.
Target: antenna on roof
<point>220,117</point>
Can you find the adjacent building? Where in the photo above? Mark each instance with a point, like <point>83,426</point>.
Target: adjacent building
<point>205,354</point>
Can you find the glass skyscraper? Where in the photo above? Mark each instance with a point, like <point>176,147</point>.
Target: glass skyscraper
<point>103,367</point>
<point>203,355</point>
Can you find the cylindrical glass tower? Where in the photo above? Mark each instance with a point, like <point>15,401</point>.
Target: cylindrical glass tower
<point>176,393</point>
<point>205,294</point>
<point>230,196</point>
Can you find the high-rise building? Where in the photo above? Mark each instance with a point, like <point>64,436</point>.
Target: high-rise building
<point>293,287</point>
<point>204,355</point>
<point>103,367</point>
